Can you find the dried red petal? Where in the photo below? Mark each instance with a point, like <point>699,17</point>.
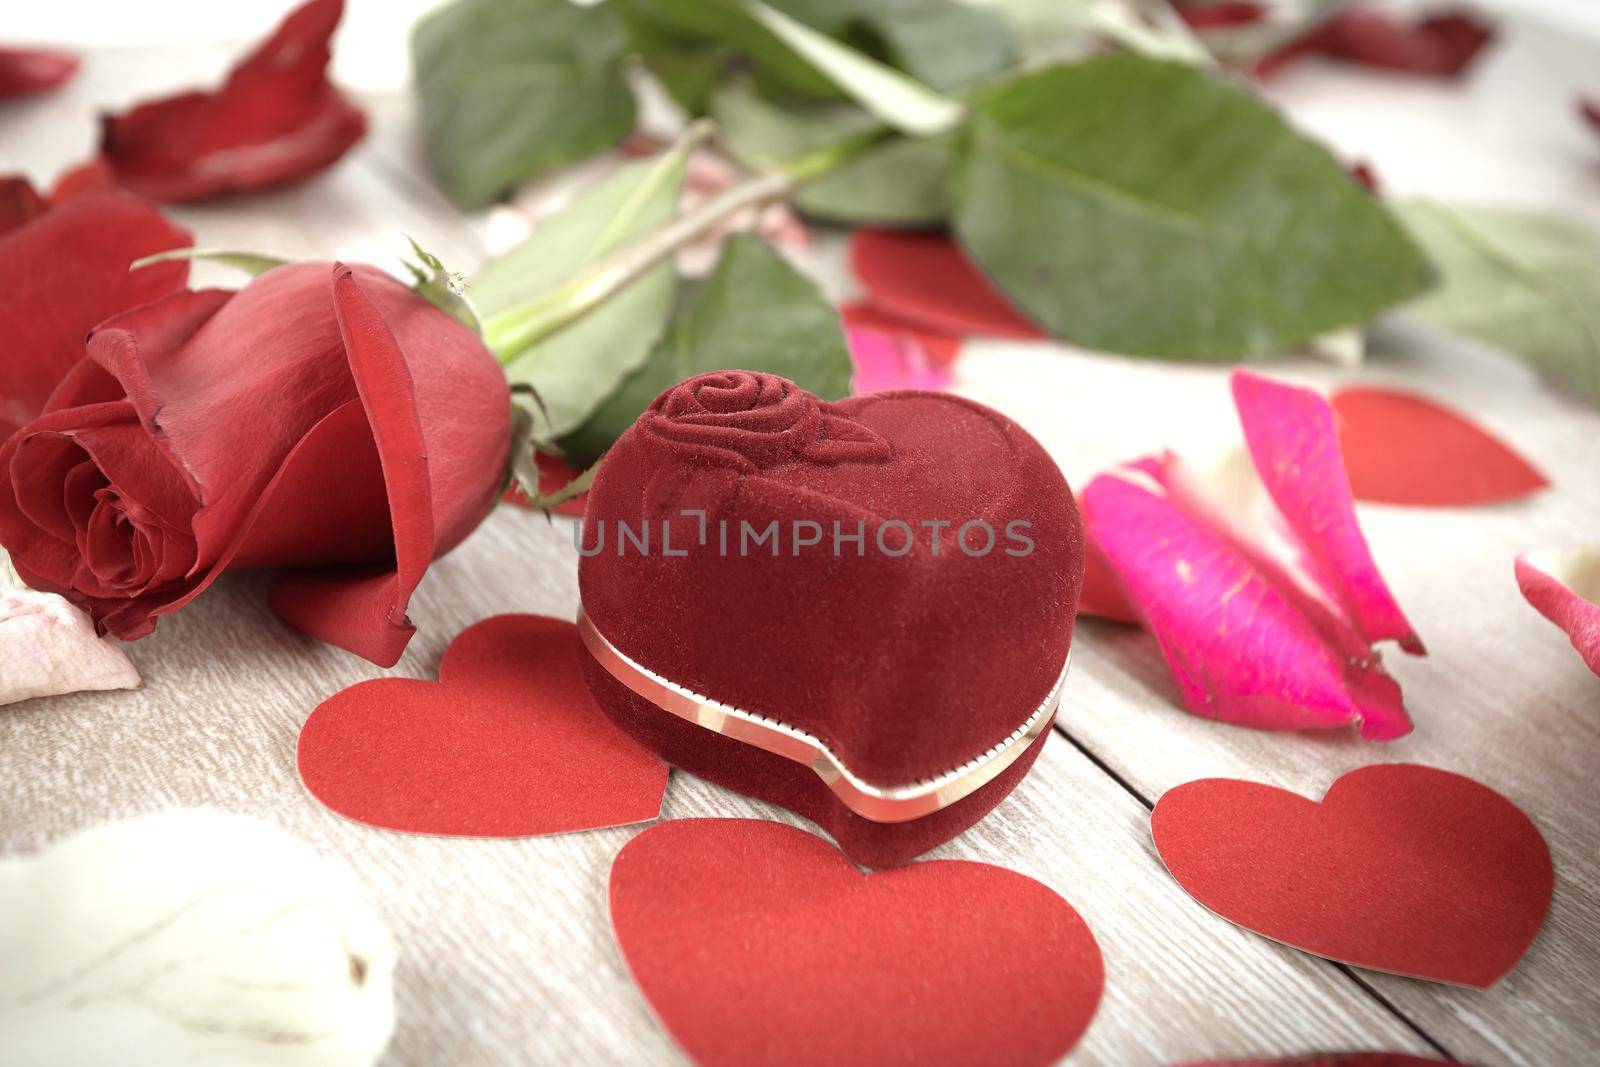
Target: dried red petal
<point>1440,46</point>
<point>277,119</point>
<point>26,71</point>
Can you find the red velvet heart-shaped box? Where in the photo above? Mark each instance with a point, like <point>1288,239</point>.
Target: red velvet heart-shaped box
<point>860,610</point>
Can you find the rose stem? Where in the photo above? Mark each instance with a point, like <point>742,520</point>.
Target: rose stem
<point>512,332</point>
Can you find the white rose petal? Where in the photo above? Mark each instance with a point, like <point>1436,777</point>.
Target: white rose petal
<point>186,938</point>
<point>48,647</point>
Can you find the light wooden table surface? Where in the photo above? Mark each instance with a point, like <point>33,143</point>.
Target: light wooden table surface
<point>507,956</point>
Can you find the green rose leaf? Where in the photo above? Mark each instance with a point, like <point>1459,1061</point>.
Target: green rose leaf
<point>755,312</point>
<point>1527,283</point>
<point>904,181</point>
<point>510,88</point>
<point>575,368</point>
<point>1138,206</point>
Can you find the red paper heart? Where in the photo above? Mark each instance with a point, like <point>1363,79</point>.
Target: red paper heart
<point>1400,448</point>
<point>508,743</point>
<point>759,944</point>
<point>926,279</point>
<point>1400,868</point>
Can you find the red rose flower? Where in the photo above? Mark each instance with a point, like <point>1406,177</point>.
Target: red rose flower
<point>62,270</point>
<point>323,418</point>
<point>275,120</point>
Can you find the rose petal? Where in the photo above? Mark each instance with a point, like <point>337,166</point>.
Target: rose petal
<point>1590,110</point>
<point>1101,596</point>
<point>926,279</point>
<point>19,203</point>
<point>941,348</point>
<point>25,71</point>
<point>1240,647</point>
<point>365,612</point>
<point>63,273</point>
<point>1440,46</point>
<point>1400,448</point>
<point>1295,449</point>
<point>93,176</point>
<point>276,119</point>
<point>883,362</point>
<point>1219,15</point>
<point>1253,575</point>
<point>1564,586</point>
<point>230,942</point>
<point>48,647</point>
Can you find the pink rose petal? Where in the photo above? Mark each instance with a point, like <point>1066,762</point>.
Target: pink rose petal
<point>1253,575</point>
<point>886,362</point>
<point>1295,448</point>
<point>1564,586</point>
<point>48,647</point>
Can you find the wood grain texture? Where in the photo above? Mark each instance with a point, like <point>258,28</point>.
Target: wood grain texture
<point>507,952</point>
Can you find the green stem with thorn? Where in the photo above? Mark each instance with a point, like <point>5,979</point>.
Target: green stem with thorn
<point>514,331</point>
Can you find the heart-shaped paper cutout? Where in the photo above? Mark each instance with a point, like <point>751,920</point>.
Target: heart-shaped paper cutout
<point>508,743</point>
<point>927,279</point>
<point>760,944</point>
<point>1400,448</point>
<point>1400,868</point>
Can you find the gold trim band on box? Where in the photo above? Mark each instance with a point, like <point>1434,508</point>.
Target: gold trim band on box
<point>899,803</point>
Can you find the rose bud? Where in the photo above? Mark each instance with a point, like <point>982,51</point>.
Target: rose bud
<point>323,418</point>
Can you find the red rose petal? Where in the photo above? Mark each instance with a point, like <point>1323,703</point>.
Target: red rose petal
<point>760,945</point>
<point>1223,14</point>
<point>1564,587</point>
<point>1440,46</point>
<point>25,71</point>
<point>927,280</point>
<point>508,743</point>
<point>365,612</point>
<point>1399,868</point>
<point>19,203</point>
<point>63,273</point>
<point>1102,597</point>
<point>1400,448</point>
<point>275,120</point>
<point>940,347</point>
<point>95,176</point>
<point>1590,110</point>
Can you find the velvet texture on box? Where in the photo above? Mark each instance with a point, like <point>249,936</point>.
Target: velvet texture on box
<point>906,657</point>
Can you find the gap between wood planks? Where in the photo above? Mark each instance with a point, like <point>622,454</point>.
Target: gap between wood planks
<point>1346,971</point>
